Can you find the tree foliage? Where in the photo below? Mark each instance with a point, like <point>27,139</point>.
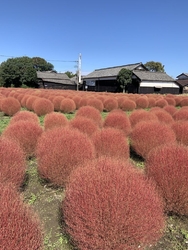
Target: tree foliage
<point>154,66</point>
<point>20,71</point>
<point>70,74</point>
<point>124,77</point>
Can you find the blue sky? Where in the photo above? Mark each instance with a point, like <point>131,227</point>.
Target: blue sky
<point>106,33</point>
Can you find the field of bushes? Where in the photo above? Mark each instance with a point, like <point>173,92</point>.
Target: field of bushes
<point>93,171</point>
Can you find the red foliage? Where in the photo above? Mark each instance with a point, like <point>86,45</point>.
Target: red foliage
<point>151,101</point>
<point>118,119</point>
<point>85,125</point>
<point>147,135</point>
<point>57,101</point>
<point>181,114</point>
<point>20,227</point>
<point>10,106</point>
<point>43,106</point>
<point>170,109</point>
<point>91,113</point>
<point>168,167</point>
<point>12,162</point>
<point>161,102</point>
<point>162,115</point>
<point>178,99</point>
<point>110,103</point>
<point>83,102</point>
<point>96,103</point>
<point>30,101</point>
<point>128,105</point>
<point>54,120</point>
<point>67,105</point>
<point>26,134</point>
<point>76,100</point>
<point>181,130</point>
<point>184,102</point>
<point>170,100</point>
<point>109,205</point>
<point>141,115</point>
<point>111,142</point>
<point>142,102</point>
<point>61,150</point>
<point>24,116</point>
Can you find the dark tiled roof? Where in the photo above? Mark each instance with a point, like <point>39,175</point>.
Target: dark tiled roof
<point>49,76</point>
<point>186,74</point>
<point>111,71</point>
<point>152,76</point>
<point>182,83</point>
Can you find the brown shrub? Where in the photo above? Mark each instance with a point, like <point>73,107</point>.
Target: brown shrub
<point>57,102</point>
<point>170,109</point>
<point>12,162</point>
<point>171,100</point>
<point>76,100</point>
<point>147,135</point>
<point>96,103</point>
<point>30,101</point>
<point>67,105</point>
<point>142,102</point>
<point>20,227</point>
<point>181,114</point>
<point>128,105</point>
<point>162,115</point>
<point>168,167</point>
<point>26,134</point>
<point>109,205</point>
<point>118,119</point>
<point>43,106</point>
<point>151,101</point>
<point>161,102</point>
<point>180,128</point>
<point>53,120</point>
<point>141,115</point>
<point>184,102</point>
<point>111,142</point>
<point>24,116</point>
<point>61,150</point>
<point>110,103</point>
<point>10,106</point>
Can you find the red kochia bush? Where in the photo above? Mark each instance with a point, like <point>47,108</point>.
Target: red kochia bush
<point>109,205</point>
<point>168,166</point>
<point>54,120</point>
<point>181,130</point>
<point>67,105</point>
<point>128,105</point>
<point>142,102</point>
<point>10,106</point>
<point>59,151</point>
<point>141,115</point>
<point>170,109</point>
<point>26,134</point>
<point>91,113</point>
<point>20,227</point>
<point>111,142</point>
<point>161,102</point>
<point>96,103</point>
<point>147,135</point>
<point>85,125</point>
<point>162,115</point>
<point>110,103</point>
<point>43,106</point>
<point>12,162</point>
<point>118,119</point>
<point>24,116</point>
<point>181,114</point>
<point>57,101</point>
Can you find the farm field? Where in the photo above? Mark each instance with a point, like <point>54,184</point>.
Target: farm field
<point>45,199</point>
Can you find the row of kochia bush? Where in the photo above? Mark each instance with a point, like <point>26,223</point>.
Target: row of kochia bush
<point>44,101</point>
<point>109,203</point>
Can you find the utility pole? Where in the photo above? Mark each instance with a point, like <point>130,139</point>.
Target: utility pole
<point>79,70</point>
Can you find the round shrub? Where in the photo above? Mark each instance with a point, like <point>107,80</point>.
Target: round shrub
<point>20,226</point>
<point>83,102</point>
<point>162,115</point>
<point>109,205</point>
<point>128,105</point>
<point>53,120</point>
<point>30,101</point>
<point>147,135</point>
<point>43,106</point>
<point>61,150</point>
<point>151,101</point>
<point>170,109</point>
<point>178,99</point>
<point>96,103</point>
<point>67,105</point>
<point>184,102</point>
<point>141,115</point>
<point>110,103</point>
<point>168,167</point>
<point>57,102</point>
<point>91,113</point>
<point>171,101</point>
<point>10,106</point>
<point>111,142</point>
<point>118,119</point>
<point>24,116</point>
<point>85,125</point>
<point>161,102</point>
<point>142,102</point>
<point>26,134</point>
<point>12,162</point>
<point>76,100</point>
<point>181,114</point>
<point>180,129</point>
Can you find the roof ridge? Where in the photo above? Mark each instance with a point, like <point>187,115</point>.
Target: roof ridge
<point>113,67</point>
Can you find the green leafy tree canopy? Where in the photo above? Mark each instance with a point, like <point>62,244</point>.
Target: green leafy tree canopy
<point>70,74</point>
<point>22,71</point>
<point>124,78</point>
<point>154,66</point>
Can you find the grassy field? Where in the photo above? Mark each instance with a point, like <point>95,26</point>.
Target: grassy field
<point>46,201</point>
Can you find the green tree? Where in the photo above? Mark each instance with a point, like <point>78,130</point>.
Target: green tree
<point>154,66</point>
<point>21,71</point>
<point>124,78</point>
<point>70,74</point>
<point>41,64</point>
